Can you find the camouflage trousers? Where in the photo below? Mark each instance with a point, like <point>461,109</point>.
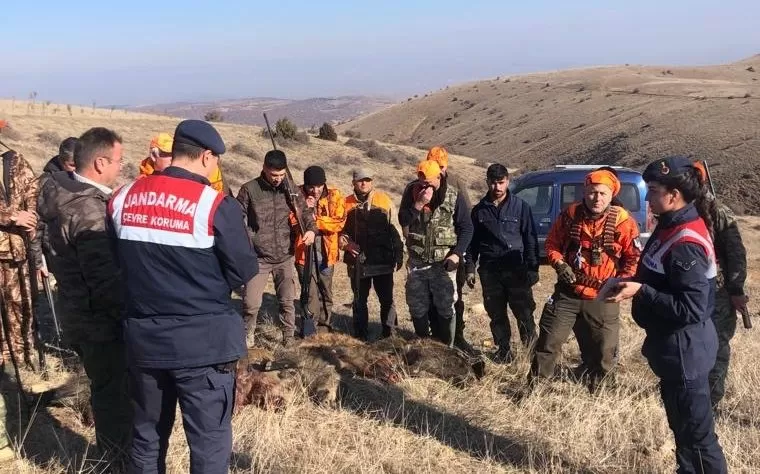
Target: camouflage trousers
<point>3,430</point>
<point>17,304</point>
<point>724,318</point>
<point>431,286</point>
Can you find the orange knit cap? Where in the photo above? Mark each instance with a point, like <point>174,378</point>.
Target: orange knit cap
<point>606,178</point>
<point>439,155</point>
<point>429,169</point>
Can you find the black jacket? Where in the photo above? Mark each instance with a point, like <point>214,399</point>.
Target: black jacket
<point>503,236</point>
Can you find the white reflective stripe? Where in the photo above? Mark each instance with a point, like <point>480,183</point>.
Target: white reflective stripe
<point>165,237</point>
<point>118,204</point>
<point>202,211</point>
<point>199,239</point>
<point>654,261</point>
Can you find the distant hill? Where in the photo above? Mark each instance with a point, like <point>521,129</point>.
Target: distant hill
<point>304,113</point>
<point>625,115</point>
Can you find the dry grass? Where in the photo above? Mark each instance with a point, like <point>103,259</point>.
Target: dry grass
<point>423,425</point>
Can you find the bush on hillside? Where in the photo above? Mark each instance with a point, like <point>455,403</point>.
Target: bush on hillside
<point>285,129</point>
<point>327,132</point>
<point>245,150</point>
<point>213,116</point>
<point>49,138</point>
<point>10,133</point>
<point>353,134</point>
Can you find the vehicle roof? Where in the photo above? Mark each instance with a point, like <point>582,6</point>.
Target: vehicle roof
<point>576,173</point>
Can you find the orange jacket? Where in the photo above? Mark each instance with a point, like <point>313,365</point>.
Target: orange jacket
<point>330,216</point>
<point>618,244</point>
<point>146,169</point>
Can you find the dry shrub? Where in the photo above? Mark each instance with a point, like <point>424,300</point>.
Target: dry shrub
<point>327,132</point>
<point>49,138</point>
<point>353,134</point>
<point>482,163</point>
<point>245,150</point>
<point>11,133</point>
<point>363,145</point>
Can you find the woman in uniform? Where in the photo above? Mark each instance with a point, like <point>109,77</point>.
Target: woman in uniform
<point>673,297</point>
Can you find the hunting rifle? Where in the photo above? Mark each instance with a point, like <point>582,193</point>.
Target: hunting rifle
<point>310,270</point>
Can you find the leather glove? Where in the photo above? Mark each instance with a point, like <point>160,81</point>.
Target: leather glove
<point>470,280</point>
<point>532,277</point>
<point>565,274</point>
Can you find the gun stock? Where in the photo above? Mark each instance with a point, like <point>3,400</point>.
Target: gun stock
<point>746,320</point>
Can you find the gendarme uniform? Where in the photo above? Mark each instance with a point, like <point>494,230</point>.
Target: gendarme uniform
<point>443,227</point>
<point>183,248</point>
<point>677,272</point>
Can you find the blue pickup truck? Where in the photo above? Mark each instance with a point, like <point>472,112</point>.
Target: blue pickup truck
<point>548,192</point>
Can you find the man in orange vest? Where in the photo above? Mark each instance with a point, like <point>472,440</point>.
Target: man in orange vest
<point>160,158</point>
<point>329,210</point>
<point>590,242</point>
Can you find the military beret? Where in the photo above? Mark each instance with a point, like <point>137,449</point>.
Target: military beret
<point>201,134</point>
<point>669,167</point>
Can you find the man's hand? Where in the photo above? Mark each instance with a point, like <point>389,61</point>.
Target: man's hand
<point>739,302</point>
<point>308,237</point>
<point>311,201</point>
<point>565,274</point>
<point>451,263</point>
<point>423,196</point>
<point>624,290</point>
<point>26,220</point>
<point>470,279</point>
<point>532,277</point>
<point>353,248</point>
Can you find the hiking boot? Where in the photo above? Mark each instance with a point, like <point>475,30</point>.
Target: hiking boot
<point>464,346</point>
<point>503,356</point>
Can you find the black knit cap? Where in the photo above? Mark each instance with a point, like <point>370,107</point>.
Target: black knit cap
<point>314,176</point>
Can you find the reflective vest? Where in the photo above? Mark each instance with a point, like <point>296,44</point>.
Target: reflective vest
<point>431,237</point>
<point>167,211</point>
<point>693,231</point>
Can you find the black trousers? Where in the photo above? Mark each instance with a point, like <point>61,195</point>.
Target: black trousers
<point>206,399</point>
<point>383,285</point>
<point>690,416</point>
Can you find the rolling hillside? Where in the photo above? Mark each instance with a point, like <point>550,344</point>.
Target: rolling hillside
<point>626,115</point>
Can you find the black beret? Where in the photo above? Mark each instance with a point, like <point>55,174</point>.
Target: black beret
<point>201,134</point>
<point>669,167</point>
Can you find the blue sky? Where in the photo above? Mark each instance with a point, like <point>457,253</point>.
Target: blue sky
<point>138,52</point>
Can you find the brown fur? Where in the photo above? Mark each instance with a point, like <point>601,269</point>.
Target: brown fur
<point>317,365</point>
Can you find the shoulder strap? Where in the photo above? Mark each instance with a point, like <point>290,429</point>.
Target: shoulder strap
<point>7,178</point>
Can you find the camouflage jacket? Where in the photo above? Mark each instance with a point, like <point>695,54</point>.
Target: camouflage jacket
<point>89,289</point>
<point>729,248</point>
<point>18,192</point>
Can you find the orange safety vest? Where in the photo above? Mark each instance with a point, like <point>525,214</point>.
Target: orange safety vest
<point>147,169</point>
<point>330,217</point>
<point>596,249</point>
